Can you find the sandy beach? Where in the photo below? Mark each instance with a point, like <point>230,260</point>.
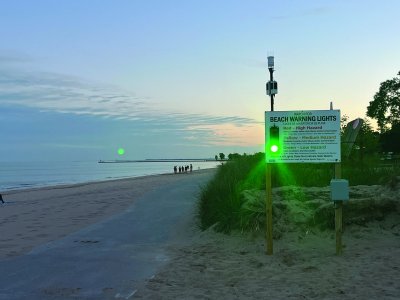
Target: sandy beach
<point>304,264</point>
<point>210,265</point>
<point>37,216</point>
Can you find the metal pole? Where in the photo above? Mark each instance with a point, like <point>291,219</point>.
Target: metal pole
<point>271,78</point>
<point>268,190</point>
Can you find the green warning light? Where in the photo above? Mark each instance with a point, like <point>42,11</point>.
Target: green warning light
<point>121,151</point>
<point>274,148</point>
<point>274,145</point>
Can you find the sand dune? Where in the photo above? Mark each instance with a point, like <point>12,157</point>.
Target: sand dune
<point>304,264</point>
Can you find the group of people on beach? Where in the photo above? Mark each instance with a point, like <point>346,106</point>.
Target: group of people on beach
<point>183,169</point>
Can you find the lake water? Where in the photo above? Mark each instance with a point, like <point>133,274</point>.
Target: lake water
<point>21,175</point>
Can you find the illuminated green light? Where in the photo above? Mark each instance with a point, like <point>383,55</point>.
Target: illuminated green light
<point>274,148</point>
<point>121,151</point>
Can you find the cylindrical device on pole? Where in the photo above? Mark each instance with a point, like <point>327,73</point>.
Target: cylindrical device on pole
<point>270,61</point>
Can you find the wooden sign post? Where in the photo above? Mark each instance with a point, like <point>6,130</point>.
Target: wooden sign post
<point>268,209</point>
<point>338,214</point>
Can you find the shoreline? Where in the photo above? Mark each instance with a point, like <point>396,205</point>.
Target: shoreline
<point>34,174</point>
<point>32,217</point>
<point>84,183</point>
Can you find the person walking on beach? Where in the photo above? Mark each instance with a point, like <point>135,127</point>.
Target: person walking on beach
<point>175,169</point>
<point>191,168</point>
<point>1,199</point>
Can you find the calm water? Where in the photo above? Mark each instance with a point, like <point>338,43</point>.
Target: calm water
<point>20,175</point>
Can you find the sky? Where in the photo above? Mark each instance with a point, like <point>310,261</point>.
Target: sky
<point>180,79</point>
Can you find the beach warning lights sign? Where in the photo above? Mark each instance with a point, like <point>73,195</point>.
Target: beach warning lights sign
<point>311,136</point>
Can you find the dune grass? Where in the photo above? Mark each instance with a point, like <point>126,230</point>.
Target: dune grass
<point>222,203</point>
<point>220,200</point>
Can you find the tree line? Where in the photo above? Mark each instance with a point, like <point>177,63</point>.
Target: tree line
<point>385,109</point>
<point>231,156</point>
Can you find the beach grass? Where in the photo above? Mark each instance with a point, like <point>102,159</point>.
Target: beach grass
<point>220,202</point>
<point>225,204</point>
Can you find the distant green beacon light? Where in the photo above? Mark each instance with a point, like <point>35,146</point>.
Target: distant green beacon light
<point>121,151</point>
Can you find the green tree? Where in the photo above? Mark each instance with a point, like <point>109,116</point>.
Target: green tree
<point>216,157</point>
<point>232,156</point>
<point>385,107</point>
<point>390,139</point>
<point>221,156</point>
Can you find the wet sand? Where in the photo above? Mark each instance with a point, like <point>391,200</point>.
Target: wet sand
<point>33,217</point>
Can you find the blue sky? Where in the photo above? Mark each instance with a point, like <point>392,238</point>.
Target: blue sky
<point>79,79</point>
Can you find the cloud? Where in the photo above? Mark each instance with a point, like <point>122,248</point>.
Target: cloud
<point>72,146</point>
<point>67,94</point>
<point>315,11</point>
<point>13,57</point>
<point>52,92</point>
<point>229,134</point>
